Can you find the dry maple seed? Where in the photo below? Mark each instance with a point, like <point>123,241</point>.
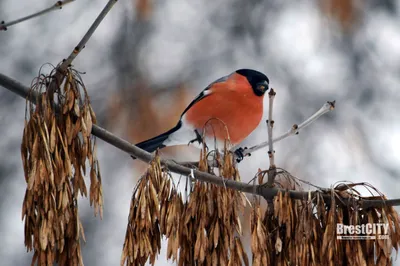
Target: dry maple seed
<point>55,144</point>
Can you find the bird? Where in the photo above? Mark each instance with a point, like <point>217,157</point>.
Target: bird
<point>231,108</point>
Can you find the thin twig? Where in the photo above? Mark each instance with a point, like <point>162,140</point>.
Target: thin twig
<point>58,5</point>
<point>270,125</point>
<point>265,191</point>
<point>59,75</point>
<point>295,129</point>
<point>87,36</point>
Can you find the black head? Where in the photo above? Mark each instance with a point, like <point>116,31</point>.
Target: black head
<point>258,81</point>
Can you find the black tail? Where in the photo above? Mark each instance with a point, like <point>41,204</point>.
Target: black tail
<point>153,144</point>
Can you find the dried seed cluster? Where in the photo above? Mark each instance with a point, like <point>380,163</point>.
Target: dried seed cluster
<point>205,230</point>
<point>259,237</point>
<point>212,219</point>
<point>304,233</point>
<point>55,146</point>
<point>143,236</point>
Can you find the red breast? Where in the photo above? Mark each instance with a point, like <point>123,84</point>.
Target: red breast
<point>231,105</point>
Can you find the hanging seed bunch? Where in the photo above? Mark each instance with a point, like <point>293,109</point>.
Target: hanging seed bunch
<point>146,218</point>
<point>260,242</point>
<point>55,146</point>
<point>289,237</point>
<point>364,251</point>
<point>171,224</point>
<point>192,225</point>
<point>303,232</point>
<point>194,240</point>
<point>155,210</point>
<point>230,206</point>
<point>211,224</point>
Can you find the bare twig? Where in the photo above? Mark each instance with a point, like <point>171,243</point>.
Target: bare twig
<point>328,106</point>
<point>58,77</point>
<point>265,191</point>
<point>270,125</point>
<point>58,5</point>
<point>87,36</point>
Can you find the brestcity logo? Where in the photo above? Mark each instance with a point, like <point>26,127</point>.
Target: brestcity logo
<point>362,231</point>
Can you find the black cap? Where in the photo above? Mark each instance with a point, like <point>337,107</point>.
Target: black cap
<point>255,78</point>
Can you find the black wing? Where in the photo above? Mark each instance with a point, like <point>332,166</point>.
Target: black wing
<point>204,93</point>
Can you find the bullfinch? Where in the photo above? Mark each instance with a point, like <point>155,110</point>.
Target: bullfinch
<point>229,108</point>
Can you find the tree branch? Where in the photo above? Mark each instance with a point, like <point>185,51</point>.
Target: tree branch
<point>56,6</point>
<point>61,69</point>
<point>271,152</point>
<point>295,129</point>
<point>87,36</point>
<point>261,190</point>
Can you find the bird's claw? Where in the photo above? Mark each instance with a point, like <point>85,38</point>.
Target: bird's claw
<point>240,154</point>
<point>198,138</point>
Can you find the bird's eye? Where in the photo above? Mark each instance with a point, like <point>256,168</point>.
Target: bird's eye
<point>262,87</point>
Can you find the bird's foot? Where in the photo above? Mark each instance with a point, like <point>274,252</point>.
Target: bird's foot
<point>198,138</point>
<point>240,154</point>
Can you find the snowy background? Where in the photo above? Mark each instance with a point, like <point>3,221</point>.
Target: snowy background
<point>148,59</point>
